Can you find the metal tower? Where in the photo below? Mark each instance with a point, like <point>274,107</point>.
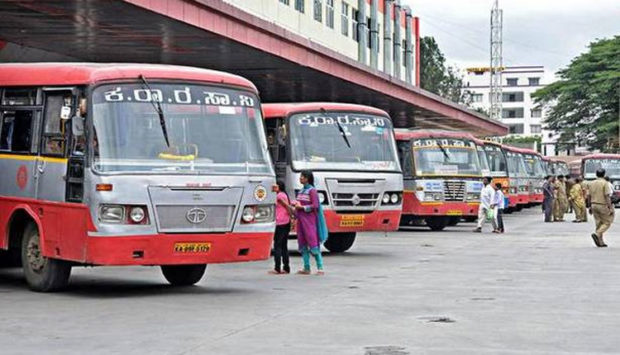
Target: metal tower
<point>497,64</point>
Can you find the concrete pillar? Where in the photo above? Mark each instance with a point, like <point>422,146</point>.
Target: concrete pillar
<point>361,31</point>
<point>374,34</point>
<point>397,39</point>
<point>387,37</point>
<point>408,46</point>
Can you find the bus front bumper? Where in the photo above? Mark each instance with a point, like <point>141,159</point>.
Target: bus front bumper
<point>178,249</point>
<point>536,198</point>
<point>378,220</point>
<point>441,208</point>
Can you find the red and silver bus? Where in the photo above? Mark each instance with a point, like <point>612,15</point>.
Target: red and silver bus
<point>352,153</point>
<point>610,162</point>
<point>518,178</point>
<point>536,175</point>
<point>498,166</point>
<point>131,164</point>
<point>442,176</point>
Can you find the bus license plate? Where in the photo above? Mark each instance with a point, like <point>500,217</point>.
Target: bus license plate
<point>352,220</point>
<point>454,213</point>
<point>192,247</point>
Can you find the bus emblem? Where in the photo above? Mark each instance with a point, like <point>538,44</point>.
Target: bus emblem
<point>356,200</point>
<point>196,215</point>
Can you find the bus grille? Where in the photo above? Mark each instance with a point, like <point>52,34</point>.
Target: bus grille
<point>190,218</point>
<point>454,190</point>
<point>355,200</point>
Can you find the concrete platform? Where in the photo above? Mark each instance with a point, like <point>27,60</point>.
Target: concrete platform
<point>538,289</point>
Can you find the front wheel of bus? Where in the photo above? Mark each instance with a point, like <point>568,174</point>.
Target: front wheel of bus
<point>339,242</point>
<point>183,275</point>
<point>437,223</point>
<point>42,274</point>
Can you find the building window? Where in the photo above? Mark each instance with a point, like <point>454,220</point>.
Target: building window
<point>354,28</point>
<point>300,6</point>
<point>476,98</point>
<point>536,113</point>
<point>318,10</point>
<point>512,112</point>
<point>329,13</point>
<point>515,128</point>
<point>512,97</point>
<point>344,19</point>
<point>285,2</point>
<point>535,129</point>
<point>512,81</point>
<point>534,81</point>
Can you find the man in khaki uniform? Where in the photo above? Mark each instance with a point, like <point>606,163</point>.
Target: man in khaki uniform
<point>601,207</point>
<point>561,200</point>
<point>578,201</point>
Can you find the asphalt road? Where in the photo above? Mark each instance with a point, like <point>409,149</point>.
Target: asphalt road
<point>539,288</point>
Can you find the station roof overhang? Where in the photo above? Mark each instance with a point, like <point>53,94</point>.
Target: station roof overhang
<point>212,34</point>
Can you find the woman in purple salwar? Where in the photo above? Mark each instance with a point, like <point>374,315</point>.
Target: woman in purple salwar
<point>307,209</point>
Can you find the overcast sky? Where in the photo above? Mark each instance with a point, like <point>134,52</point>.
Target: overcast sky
<point>536,32</point>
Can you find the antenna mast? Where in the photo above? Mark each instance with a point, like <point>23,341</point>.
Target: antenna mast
<point>497,64</point>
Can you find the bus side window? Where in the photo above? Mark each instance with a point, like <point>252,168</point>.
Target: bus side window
<point>404,153</point>
<point>272,138</point>
<point>281,141</point>
<point>16,131</point>
<point>54,120</point>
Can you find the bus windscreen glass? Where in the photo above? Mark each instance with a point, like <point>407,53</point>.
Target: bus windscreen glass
<point>497,161</point>
<point>317,142</point>
<point>533,165</point>
<point>211,130</point>
<point>516,165</point>
<point>445,157</point>
<point>611,166</point>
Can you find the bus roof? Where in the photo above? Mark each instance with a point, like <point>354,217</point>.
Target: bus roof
<point>404,134</point>
<point>35,74</point>
<point>520,150</point>
<point>601,156</point>
<point>274,110</point>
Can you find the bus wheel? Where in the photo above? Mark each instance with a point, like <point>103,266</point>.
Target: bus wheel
<point>470,219</point>
<point>519,208</point>
<point>437,223</point>
<point>454,220</point>
<point>339,242</point>
<point>183,275</point>
<point>42,274</point>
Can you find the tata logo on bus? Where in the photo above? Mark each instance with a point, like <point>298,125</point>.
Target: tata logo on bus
<point>196,215</point>
<point>22,177</point>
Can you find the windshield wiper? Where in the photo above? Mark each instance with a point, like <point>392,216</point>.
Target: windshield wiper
<point>160,112</point>
<point>443,150</point>
<point>340,128</point>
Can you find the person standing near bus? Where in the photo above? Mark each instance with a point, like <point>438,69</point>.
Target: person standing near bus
<point>578,201</point>
<point>283,228</point>
<point>311,228</point>
<point>499,207</point>
<point>569,185</point>
<point>487,204</point>
<point>561,200</point>
<point>600,207</point>
<point>548,197</point>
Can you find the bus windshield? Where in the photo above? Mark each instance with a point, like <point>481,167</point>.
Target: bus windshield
<point>611,166</point>
<point>561,168</point>
<point>318,142</point>
<point>484,162</point>
<point>533,165</point>
<point>445,157</point>
<point>497,161</point>
<point>209,130</point>
<point>516,165</point>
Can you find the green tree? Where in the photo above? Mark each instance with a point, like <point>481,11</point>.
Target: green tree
<point>435,76</point>
<point>583,105</point>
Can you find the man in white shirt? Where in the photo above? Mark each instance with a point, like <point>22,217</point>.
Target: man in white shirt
<point>499,208</point>
<point>487,204</point>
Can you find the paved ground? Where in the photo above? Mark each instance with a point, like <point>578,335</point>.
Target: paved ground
<point>540,288</point>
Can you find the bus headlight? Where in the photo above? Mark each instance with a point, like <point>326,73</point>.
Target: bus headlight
<point>248,214</point>
<point>394,198</point>
<point>111,213</point>
<point>258,214</point>
<point>322,197</point>
<point>386,198</point>
<point>137,214</point>
<point>473,196</point>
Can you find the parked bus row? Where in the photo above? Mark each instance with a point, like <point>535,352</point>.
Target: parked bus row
<point>586,168</point>
<point>133,164</point>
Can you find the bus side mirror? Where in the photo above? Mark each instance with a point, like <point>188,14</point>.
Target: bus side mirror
<point>77,126</point>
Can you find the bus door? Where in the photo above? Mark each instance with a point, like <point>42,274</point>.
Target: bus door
<point>276,141</point>
<point>54,147</point>
<point>19,115</point>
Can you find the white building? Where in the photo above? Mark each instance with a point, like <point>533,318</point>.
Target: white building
<point>388,40</point>
<point>519,112</point>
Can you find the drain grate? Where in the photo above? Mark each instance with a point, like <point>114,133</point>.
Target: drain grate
<point>385,350</point>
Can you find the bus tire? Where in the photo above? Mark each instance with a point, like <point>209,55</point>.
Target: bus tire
<point>518,208</point>
<point>183,275</point>
<point>454,220</point>
<point>437,223</point>
<point>470,219</point>
<point>339,242</point>
<point>42,274</point>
